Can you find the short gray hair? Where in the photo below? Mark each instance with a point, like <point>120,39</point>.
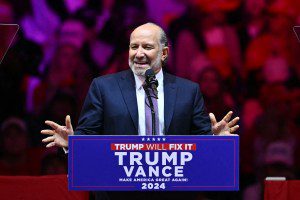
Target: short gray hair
<point>163,40</point>
<point>163,36</point>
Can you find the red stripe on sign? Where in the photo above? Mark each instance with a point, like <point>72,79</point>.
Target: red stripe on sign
<point>153,147</point>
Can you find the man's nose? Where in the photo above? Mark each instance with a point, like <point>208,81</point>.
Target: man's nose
<point>140,53</point>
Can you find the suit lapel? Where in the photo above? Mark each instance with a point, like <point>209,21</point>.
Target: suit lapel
<point>127,85</point>
<point>170,92</point>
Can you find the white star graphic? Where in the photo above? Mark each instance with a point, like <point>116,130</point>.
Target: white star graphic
<point>148,139</point>
<point>158,139</point>
<point>143,139</point>
<point>153,139</point>
<point>164,139</point>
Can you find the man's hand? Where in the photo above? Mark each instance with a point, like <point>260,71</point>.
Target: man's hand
<point>225,126</point>
<point>59,134</point>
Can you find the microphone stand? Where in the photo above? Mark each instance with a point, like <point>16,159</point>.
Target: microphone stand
<point>152,109</point>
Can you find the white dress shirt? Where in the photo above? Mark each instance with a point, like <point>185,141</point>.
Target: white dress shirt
<point>140,97</point>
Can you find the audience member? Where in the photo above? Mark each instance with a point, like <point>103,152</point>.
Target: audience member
<point>16,158</point>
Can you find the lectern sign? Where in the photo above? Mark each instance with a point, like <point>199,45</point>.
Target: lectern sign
<point>155,163</point>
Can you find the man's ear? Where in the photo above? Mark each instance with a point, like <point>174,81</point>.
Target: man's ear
<point>165,53</point>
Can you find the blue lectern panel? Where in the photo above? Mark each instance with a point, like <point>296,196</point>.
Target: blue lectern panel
<point>159,163</point>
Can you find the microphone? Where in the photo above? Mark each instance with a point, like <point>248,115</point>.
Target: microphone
<point>152,84</point>
<point>151,81</point>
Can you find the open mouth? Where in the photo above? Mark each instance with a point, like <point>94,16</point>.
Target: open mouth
<point>141,64</point>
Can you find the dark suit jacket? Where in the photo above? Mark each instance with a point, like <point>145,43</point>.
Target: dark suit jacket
<point>110,107</point>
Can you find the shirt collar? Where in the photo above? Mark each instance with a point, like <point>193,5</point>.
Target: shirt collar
<point>159,76</point>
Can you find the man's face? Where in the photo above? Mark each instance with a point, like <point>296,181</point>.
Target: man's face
<point>144,50</point>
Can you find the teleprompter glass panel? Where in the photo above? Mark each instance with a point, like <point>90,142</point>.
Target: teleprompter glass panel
<point>7,35</point>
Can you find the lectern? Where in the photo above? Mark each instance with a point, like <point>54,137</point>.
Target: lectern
<point>154,163</point>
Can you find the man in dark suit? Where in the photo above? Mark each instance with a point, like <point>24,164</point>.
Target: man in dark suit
<point>115,103</point>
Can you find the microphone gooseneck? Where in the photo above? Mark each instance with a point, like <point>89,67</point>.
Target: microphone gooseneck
<point>152,84</point>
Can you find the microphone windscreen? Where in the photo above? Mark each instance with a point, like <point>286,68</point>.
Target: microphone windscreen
<point>149,72</point>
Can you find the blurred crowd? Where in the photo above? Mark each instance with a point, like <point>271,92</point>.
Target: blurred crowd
<point>243,54</point>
